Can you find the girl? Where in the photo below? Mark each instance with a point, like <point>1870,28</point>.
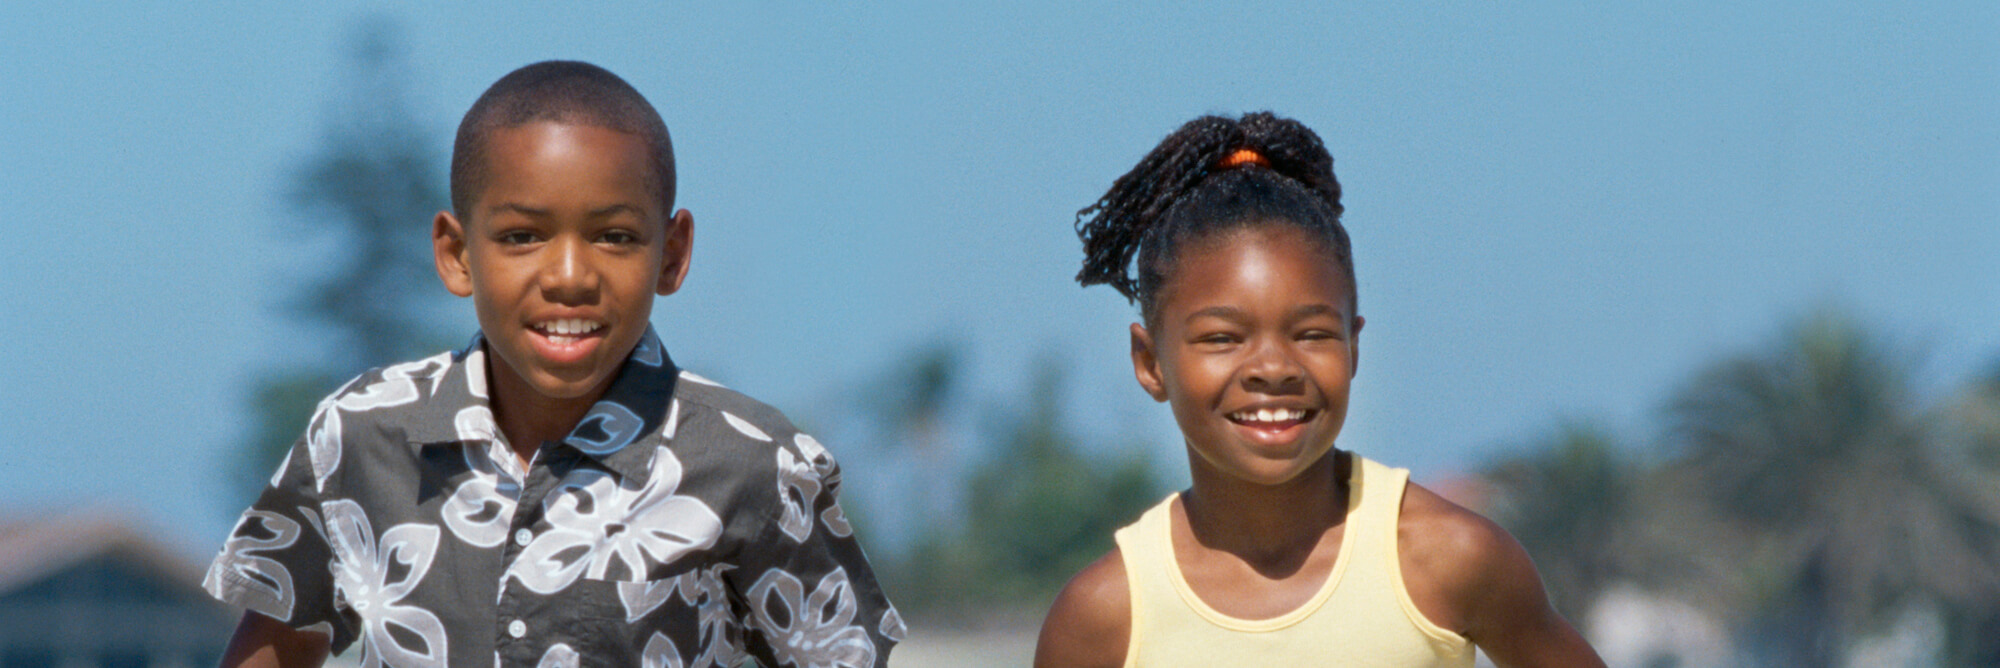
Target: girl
<point>1285,551</point>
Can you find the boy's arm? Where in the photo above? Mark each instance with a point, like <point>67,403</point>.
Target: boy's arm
<point>809,594</point>
<point>1090,623</point>
<point>277,561</point>
<point>262,642</point>
<point>1490,583</point>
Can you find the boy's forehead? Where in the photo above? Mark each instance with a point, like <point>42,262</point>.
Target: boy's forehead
<point>553,156</point>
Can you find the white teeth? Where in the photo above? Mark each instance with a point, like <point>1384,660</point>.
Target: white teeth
<point>1269,415</point>
<point>570,326</point>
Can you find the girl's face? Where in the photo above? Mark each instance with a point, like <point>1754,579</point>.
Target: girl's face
<point>1254,347</point>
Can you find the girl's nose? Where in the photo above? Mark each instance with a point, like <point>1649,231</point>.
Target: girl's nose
<point>1271,369</point>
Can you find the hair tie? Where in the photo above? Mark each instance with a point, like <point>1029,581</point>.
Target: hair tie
<point>1241,157</point>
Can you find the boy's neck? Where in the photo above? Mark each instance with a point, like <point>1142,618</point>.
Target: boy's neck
<point>529,418</point>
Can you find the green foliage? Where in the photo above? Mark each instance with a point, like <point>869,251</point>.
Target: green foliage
<point>369,192</point>
<point>1568,501</point>
<point>1038,509</point>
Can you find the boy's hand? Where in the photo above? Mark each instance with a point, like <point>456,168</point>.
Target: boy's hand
<point>261,641</point>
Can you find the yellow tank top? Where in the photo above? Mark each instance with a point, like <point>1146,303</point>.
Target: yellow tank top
<point>1362,615</point>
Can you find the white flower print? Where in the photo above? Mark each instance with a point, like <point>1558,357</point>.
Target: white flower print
<point>362,568</point>
<point>722,638</point>
<point>703,589</point>
<point>261,583</point>
<point>620,425</point>
<point>817,629</point>
<point>692,377</point>
<point>323,442</point>
<point>475,381</point>
<point>398,385</point>
<point>642,598</point>
<point>560,655</point>
<point>597,521</point>
<point>829,474</point>
<point>478,512</point>
<point>649,352</point>
<point>743,426</point>
<point>283,466</point>
<point>798,490</point>
<point>673,420</point>
<point>892,626</point>
<point>660,653</point>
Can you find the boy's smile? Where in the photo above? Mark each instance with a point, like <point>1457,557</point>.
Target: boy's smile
<point>562,253</point>
<point>1254,352</point>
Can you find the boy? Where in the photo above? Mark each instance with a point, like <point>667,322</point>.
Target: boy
<point>557,493</point>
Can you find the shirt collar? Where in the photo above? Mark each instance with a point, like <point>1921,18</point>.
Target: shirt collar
<point>635,405</point>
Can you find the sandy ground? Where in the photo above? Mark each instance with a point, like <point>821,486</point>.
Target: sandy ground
<point>981,649</point>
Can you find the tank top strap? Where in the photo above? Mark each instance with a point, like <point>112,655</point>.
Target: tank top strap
<point>1147,548</point>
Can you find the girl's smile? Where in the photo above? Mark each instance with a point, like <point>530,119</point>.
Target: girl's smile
<point>1254,349</point>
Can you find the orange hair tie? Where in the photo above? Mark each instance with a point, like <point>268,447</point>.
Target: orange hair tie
<point>1243,156</point>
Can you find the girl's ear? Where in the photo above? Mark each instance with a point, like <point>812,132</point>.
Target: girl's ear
<point>1146,363</point>
<point>448,249</point>
<point>1354,347</point>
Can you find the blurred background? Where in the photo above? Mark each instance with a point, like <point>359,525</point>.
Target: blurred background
<point>1698,299</point>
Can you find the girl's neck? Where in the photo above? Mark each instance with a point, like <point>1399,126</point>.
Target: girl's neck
<point>1272,525</point>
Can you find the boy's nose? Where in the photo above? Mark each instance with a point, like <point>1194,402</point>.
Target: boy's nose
<point>568,277</point>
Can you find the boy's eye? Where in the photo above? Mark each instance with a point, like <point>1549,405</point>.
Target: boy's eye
<point>619,237</point>
<point>516,238</point>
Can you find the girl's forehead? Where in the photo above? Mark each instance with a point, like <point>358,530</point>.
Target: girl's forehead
<point>1255,262</point>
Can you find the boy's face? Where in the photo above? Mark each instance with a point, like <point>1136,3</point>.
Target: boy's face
<point>562,253</point>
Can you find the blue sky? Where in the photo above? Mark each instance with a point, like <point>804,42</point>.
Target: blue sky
<point>1556,210</point>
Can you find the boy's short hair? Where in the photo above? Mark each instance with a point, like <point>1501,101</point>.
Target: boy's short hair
<point>561,91</point>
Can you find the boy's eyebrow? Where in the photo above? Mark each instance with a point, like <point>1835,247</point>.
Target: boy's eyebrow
<point>520,209</point>
<point>526,210</point>
<point>616,208</point>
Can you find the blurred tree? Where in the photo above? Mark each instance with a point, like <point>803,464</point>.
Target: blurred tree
<point>370,192</point>
<point>1852,505</point>
<point>1039,510</point>
<point>1569,502</point>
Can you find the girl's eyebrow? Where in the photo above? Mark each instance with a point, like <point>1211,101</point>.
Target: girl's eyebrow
<point>1234,313</point>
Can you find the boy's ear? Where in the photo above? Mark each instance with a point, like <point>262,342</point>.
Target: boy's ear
<point>1146,363</point>
<point>680,246</point>
<point>448,249</point>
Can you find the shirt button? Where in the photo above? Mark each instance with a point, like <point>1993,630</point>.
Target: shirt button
<point>523,537</point>
<point>517,628</point>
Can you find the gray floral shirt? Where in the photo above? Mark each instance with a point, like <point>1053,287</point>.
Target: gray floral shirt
<point>681,524</point>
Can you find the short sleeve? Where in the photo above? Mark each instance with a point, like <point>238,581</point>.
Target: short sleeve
<point>277,561</point>
<point>811,598</point>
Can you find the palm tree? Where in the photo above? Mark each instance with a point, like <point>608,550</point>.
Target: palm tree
<point>1851,499</point>
<point>1569,502</point>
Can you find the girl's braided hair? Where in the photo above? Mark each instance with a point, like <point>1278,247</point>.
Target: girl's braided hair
<point>1183,191</point>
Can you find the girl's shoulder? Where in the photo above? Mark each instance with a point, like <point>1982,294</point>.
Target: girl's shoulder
<point>1090,622</point>
<point>1461,569</point>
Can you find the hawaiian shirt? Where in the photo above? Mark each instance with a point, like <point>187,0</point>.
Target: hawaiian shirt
<point>681,524</point>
